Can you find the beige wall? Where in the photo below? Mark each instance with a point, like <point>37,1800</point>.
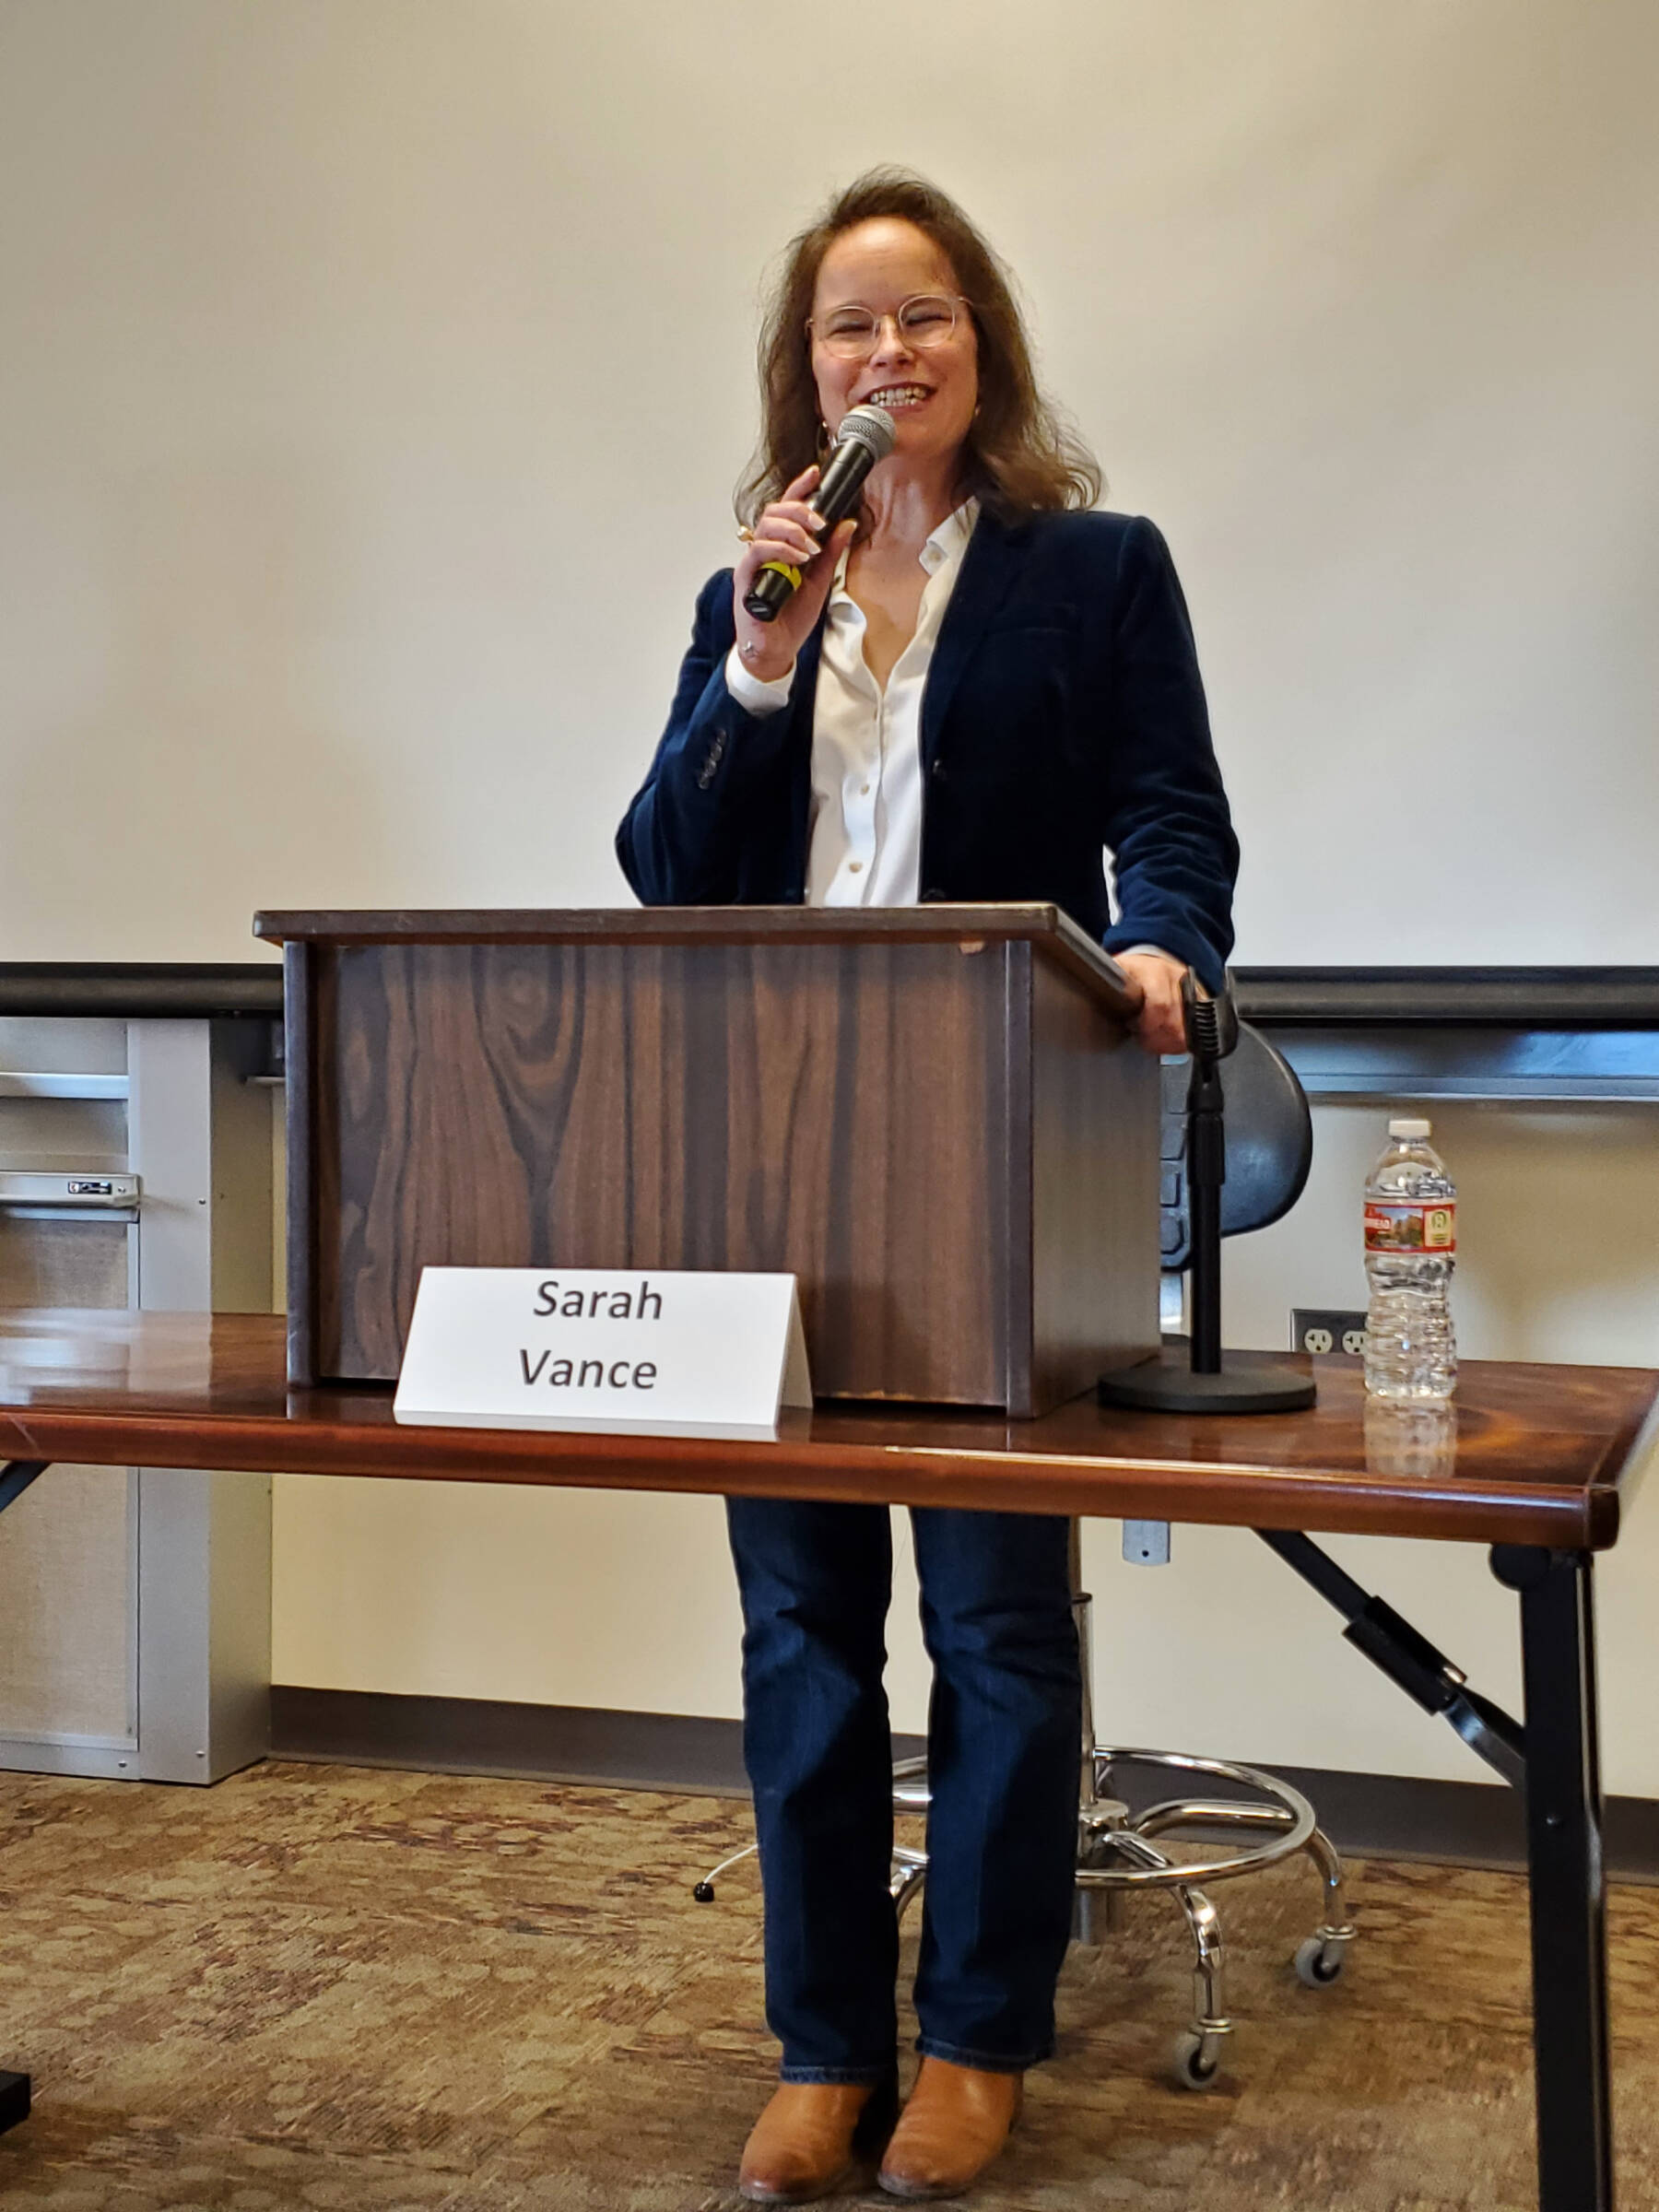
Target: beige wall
<point>376,371</point>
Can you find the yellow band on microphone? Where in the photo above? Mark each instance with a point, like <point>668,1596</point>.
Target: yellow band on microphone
<point>791,576</point>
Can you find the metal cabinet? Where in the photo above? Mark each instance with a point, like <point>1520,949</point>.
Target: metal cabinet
<point>134,1604</point>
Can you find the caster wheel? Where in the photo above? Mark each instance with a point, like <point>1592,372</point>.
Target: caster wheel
<point>1196,2060</point>
<point>704,1893</point>
<point>1317,1964</point>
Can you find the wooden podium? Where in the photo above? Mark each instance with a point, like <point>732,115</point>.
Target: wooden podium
<point>934,1117</point>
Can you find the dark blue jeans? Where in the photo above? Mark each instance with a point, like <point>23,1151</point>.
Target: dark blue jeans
<point>1002,1746</point>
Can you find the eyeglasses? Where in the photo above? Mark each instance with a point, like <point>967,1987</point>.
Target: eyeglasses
<point>851,333</point>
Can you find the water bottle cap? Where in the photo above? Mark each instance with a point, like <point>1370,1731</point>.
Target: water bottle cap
<point>1409,1127</point>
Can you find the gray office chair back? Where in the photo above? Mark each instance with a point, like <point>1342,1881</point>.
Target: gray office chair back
<point>1269,1143</point>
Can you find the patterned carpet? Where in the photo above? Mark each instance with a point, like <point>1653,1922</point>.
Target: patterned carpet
<point>349,1989</point>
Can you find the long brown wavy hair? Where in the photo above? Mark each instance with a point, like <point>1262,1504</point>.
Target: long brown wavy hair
<point>1020,453</point>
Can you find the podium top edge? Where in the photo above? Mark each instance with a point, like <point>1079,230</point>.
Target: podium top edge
<point>936,923</point>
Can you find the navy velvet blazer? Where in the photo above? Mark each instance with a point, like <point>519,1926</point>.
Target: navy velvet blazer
<point>1063,713</point>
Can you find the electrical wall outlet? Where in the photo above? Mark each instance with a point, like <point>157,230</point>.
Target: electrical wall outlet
<point>1327,1329</point>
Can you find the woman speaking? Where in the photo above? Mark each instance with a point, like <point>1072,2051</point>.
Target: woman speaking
<point>978,688</point>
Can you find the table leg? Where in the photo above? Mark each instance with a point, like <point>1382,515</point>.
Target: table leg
<point>15,1478</point>
<point>1564,1859</point>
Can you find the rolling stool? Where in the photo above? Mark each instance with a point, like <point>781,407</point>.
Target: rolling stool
<point>1269,1150</point>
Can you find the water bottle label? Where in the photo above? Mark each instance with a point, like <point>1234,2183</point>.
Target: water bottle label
<point>1415,1228</point>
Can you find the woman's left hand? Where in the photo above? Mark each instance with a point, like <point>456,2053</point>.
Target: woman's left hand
<point>1160,1026</point>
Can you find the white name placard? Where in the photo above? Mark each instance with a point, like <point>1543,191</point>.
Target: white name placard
<point>626,1352</point>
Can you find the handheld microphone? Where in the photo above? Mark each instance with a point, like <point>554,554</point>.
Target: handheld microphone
<point>866,435</point>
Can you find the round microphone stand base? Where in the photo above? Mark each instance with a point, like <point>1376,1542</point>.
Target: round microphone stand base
<point>1249,1382</point>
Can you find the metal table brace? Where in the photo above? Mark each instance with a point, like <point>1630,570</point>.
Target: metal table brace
<point>1554,1761</point>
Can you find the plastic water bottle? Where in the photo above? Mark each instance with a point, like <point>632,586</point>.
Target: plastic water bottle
<point>1410,1249</point>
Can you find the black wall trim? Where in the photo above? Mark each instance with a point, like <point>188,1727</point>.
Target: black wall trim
<point>1387,1815</point>
<point>1459,1823</point>
<point>485,1736</point>
<point>1515,998</point>
<point>135,992</point>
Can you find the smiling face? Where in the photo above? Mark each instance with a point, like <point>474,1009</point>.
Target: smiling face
<point>930,392</point>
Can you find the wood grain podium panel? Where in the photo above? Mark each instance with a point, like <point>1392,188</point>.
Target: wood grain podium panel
<point>1095,1169</point>
<point>761,1108</point>
<point>940,1128</point>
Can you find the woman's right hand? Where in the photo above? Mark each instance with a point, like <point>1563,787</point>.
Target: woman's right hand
<point>788,530</point>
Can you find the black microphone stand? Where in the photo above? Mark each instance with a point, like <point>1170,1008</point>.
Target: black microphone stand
<point>1201,1379</point>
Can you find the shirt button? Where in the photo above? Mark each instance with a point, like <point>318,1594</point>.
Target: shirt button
<point>863,791</point>
<point>853,866</point>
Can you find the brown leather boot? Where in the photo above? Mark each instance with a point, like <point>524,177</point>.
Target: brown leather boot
<point>957,2120</point>
<point>810,2136</point>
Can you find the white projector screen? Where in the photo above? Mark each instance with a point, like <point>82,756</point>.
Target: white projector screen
<point>376,373</point>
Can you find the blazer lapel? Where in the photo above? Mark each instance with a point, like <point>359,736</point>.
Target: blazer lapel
<point>806,665</point>
<point>802,708</point>
<point>988,568</point>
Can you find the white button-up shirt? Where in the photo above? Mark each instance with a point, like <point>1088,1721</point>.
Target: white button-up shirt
<point>864,843</point>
